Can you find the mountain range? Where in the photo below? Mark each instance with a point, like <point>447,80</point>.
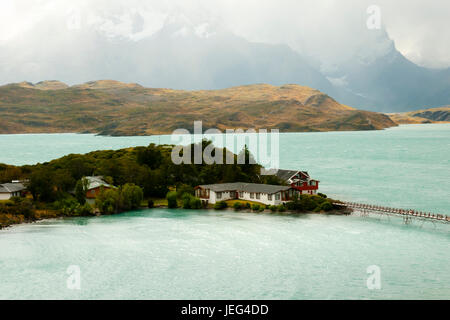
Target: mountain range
<point>185,56</point>
<point>432,115</point>
<point>124,109</point>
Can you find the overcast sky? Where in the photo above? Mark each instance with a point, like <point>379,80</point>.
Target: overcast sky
<point>326,28</point>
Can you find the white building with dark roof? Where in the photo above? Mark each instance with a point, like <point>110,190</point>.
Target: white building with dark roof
<point>262,193</point>
<point>9,190</point>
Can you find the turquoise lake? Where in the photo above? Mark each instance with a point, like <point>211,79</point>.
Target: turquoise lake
<point>179,254</point>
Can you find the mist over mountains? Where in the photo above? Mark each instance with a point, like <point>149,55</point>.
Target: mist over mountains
<point>193,56</point>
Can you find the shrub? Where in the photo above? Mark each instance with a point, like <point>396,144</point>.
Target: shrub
<point>67,206</point>
<point>247,205</point>
<point>273,208</point>
<point>183,189</point>
<point>150,204</point>
<point>326,206</point>
<point>84,210</point>
<point>220,205</point>
<point>292,206</point>
<point>281,208</point>
<point>18,206</point>
<point>237,206</point>
<point>308,203</point>
<point>322,195</point>
<point>196,203</point>
<point>186,198</point>
<point>255,207</point>
<point>191,202</point>
<point>172,199</point>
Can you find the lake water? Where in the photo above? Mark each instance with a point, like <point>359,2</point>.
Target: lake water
<point>179,254</point>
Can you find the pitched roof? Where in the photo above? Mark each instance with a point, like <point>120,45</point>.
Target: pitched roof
<point>96,182</point>
<point>11,187</point>
<point>244,186</point>
<point>285,174</point>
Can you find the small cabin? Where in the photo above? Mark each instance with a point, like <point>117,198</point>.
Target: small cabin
<point>13,189</point>
<point>95,185</point>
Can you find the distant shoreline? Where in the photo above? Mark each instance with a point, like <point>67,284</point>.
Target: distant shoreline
<point>99,134</point>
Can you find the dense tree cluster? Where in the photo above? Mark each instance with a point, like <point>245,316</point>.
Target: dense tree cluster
<point>150,168</point>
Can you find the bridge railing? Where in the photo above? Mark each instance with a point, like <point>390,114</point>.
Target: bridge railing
<point>398,211</point>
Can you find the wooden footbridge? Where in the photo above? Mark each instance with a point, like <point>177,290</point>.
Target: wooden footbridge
<point>408,215</point>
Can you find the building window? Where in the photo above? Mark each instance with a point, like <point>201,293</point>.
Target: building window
<point>241,194</point>
<point>219,195</point>
<point>252,195</point>
<point>258,195</point>
<point>269,197</point>
<point>277,196</point>
<point>313,183</point>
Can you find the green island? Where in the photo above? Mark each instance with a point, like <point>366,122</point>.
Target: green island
<point>141,177</point>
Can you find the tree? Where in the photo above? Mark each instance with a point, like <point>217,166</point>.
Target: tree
<point>41,185</point>
<point>155,183</point>
<point>172,199</point>
<point>62,180</point>
<point>150,156</point>
<point>195,203</point>
<point>107,201</point>
<point>8,173</point>
<point>186,198</point>
<point>184,189</point>
<point>131,196</point>
<point>250,168</point>
<point>81,189</point>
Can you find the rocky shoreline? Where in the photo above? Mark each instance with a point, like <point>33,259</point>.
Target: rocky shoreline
<point>345,211</point>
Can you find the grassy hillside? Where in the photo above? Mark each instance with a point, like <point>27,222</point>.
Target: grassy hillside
<point>432,115</point>
<point>115,108</point>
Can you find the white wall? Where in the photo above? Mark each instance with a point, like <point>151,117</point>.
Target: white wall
<point>225,196</point>
<point>5,196</point>
<point>246,196</point>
